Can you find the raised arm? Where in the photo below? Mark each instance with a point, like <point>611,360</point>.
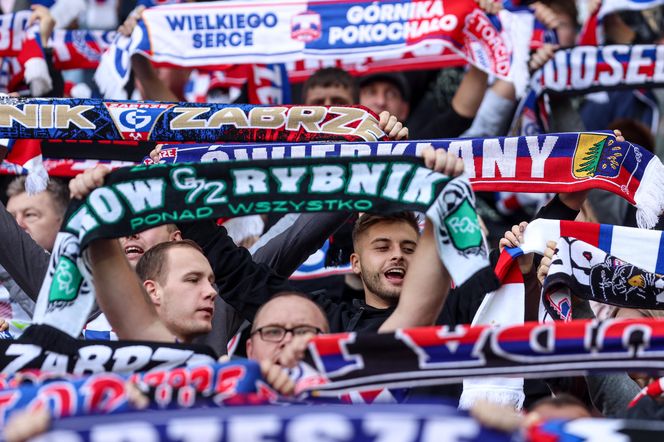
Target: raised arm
<point>121,296</point>
<point>152,87</point>
<point>427,281</point>
<point>119,291</point>
<point>294,238</point>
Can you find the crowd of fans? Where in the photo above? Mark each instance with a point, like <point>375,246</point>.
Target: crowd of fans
<point>204,283</point>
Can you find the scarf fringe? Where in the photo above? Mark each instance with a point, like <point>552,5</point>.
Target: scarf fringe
<point>37,76</point>
<point>649,197</point>
<point>107,80</point>
<point>37,179</point>
<point>492,392</point>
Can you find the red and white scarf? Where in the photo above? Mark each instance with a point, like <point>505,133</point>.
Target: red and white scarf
<point>221,33</point>
<point>23,42</point>
<point>505,306</point>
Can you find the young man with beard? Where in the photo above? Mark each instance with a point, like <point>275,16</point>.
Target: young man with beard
<point>431,279</point>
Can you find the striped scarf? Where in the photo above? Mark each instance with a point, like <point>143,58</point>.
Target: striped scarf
<point>548,163</point>
<point>213,34</point>
<point>22,43</point>
<point>137,198</point>
<point>584,69</point>
<point>505,306</point>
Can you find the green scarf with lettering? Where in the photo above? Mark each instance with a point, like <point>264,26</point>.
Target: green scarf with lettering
<point>137,198</point>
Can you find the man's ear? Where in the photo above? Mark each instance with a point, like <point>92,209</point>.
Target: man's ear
<point>152,289</point>
<point>249,348</point>
<point>176,236</point>
<point>355,263</point>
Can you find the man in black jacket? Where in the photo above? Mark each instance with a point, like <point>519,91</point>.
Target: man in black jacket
<point>430,277</point>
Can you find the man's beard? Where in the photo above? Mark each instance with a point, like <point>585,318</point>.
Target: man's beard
<point>373,284</point>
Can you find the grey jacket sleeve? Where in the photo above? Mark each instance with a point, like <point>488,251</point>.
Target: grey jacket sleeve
<point>294,238</point>
<point>25,261</point>
<point>493,116</point>
<point>611,393</point>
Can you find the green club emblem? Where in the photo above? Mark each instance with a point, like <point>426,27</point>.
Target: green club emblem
<point>463,227</point>
<point>67,281</point>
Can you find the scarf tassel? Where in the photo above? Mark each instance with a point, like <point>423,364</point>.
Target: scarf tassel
<point>500,391</point>
<point>649,197</point>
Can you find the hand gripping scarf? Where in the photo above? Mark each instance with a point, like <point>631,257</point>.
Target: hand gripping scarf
<point>146,196</point>
<point>92,119</point>
<point>78,119</point>
<point>506,305</point>
<point>579,269</point>
<point>642,248</point>
<point>211,34</point>
<point>550,163</point>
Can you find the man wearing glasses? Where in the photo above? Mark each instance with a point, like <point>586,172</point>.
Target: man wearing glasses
<point>288,316</point>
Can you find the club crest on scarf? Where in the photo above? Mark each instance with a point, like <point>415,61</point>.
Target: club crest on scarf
<point>582,270</point>
<point>306,27</point>
<point>462,227</point>
<point>614,282</point>
<point>135,121</point>
<point>598,155</point>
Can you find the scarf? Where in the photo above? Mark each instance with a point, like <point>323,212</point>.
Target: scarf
<point>579,269</point>
<point>429,57</point>
<point>23,43</point>
<point>587,429</point>
<point>26,157</point>
<point>264,84</point>
<point>584,69</point>
<point>642,248</point>
<point>369,423</point>
<point>440,355</point>
<point>654,390</point>
<point>64,168</point>
<point>79,48</point>
<point>50,350</point>
<point>93,119</point>
<point>592,32</point>
<point>210,34</point>
<point>213,385</point>
<point>146,196</point>
<point>548,163</point>
<point>506,305</point>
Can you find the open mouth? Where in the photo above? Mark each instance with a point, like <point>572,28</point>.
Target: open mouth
<point>395,275</point>
<point>133,252</point>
